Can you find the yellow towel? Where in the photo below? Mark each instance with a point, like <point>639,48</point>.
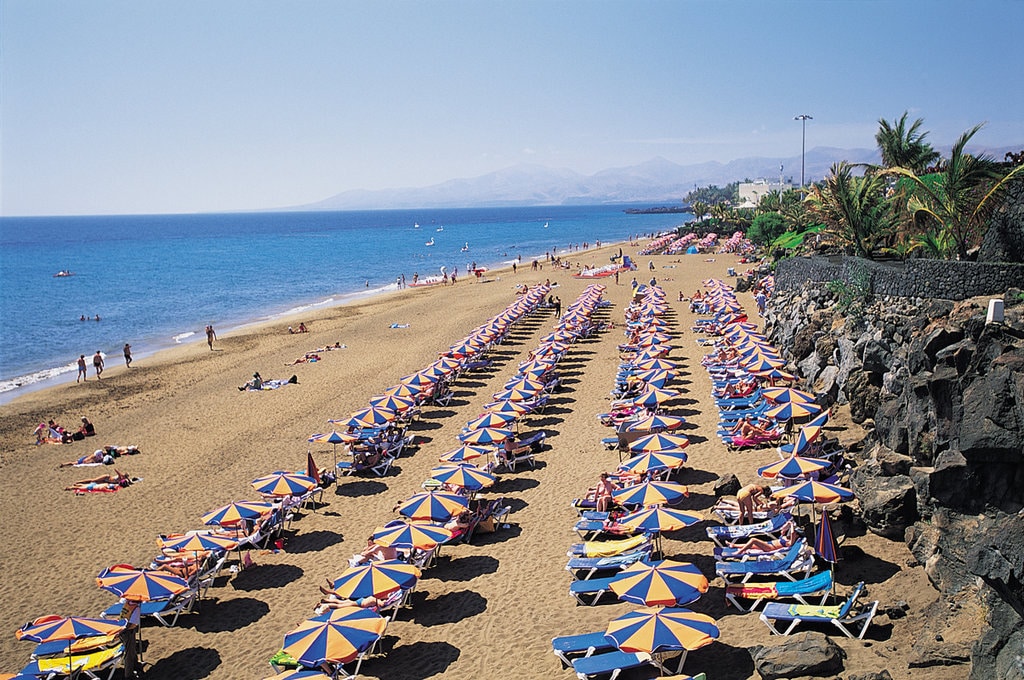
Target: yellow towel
<point>59,664</point>
<point>610,548</point>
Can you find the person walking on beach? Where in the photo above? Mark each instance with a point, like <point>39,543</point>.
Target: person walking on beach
<point>81,368</point>
<point>97,363</point>
<point>127,355</point>
<point>211,335</point>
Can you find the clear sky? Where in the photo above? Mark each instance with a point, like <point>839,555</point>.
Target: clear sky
<point>185,106</point>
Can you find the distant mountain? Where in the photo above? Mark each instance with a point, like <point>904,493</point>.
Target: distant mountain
<point>655,181</point>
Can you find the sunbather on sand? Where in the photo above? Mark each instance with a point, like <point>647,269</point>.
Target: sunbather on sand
<point>785,540</point>
<point>97,456</point>
<point>102,483</point>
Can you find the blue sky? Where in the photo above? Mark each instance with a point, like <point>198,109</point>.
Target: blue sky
<point>185,106</point>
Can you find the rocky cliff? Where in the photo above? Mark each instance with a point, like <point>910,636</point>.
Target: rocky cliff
<point>941,393</point>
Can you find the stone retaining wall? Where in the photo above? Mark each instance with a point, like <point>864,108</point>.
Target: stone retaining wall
<point>939,279</point>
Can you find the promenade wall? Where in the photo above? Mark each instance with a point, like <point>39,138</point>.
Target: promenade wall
<point>941,279</point>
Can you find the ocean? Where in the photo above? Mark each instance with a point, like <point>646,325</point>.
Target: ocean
<point>158,280</point>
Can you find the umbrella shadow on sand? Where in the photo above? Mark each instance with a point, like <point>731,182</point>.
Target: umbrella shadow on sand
<point>417,661</point>
<point>220,616</point>
<point>729,662</point>
<point>192,663</point>
<point>266,576</point>
<point>462,569</point>
<point>312,541</point>
<point>855,566</point>
<point>361,487</point>
<point>447,608</point>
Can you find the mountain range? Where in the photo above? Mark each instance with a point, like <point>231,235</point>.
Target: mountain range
<point>657,181</point>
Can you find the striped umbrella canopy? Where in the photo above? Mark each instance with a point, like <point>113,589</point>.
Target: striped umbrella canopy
<point>660,583</point>
<point>486,435</point>
<point>141,585</point>
<point>658,422</point>
<point>785,395</point>
<point>376,579</point>
<point>789,411</point>
<point>197,542</point>
<point>338,636</point>
<point>283,483</point>
<point>300,674</point>
<point>433,506</point>
<point>414,535</point>
<point>436,369</point>
<point>464,453</point>
<point>793,467</point>
<point>655,375</point>
<point>333,437</point>
<point>507,406</point>
<point>402,390</point>
<point>653,352</point>
<point>524,383</point>
<point>392,402</point>
<point>776,374</point>
<point>465,476</point>
<point>372,416</point>
<point>660,519</point>
<point>825,541</point>
<point>658,629</point>
<point>535,370</point>
<point>495,419</point>
<point>650,493</point>
<point>654,339</point>
<point>815,492</point>
<point>811,430</point>
<point>656,364</point>
<point>762,362</point>
<point>237,511</point>
<point>516,395</point>
<point>52,628</point>
<point>420,379</point>
<point>653,461</point>
<point>449,363</point>
<point>659,442</point>
<point>653,396</point>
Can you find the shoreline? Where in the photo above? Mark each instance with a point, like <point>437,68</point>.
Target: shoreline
<point>295,311</point>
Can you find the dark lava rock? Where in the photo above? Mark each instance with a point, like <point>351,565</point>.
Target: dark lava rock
<point>805,654</point>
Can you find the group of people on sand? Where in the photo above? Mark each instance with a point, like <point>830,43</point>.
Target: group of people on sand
<point>111,482</point>
<point>105,455</point>
<point>301,329</point>
<point>98,363</point>
<point>52,433</point>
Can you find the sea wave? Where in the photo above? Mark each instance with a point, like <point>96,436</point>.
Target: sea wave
<point>181,337</point>
<point>37,377</point>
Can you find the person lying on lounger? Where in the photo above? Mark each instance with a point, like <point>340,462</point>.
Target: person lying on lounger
<point>373,553</point>
<point>102,483</point>
<point>332,600</point>
<point>741,388</point>
<point>785,540</point>
<point>748,427</point>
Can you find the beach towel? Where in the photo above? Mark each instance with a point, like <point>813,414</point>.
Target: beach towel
<point>399,325</point>
<point>105,487</point>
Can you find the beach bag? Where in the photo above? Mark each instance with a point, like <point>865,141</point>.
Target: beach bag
<point>486,526</point>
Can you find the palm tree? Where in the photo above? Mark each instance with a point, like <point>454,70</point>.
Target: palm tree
<point>853,208</point>
<point>959,200</point>
<point>700,210</point>
<point>904,147</point>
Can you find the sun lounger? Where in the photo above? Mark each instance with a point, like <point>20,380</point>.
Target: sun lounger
<point>93,665</point>
<point>732,554</point>
<point>589,591</point>
<point>379,468</point>
<point>589,529</point>
<point>166,612</point>
<point>758,593</point>
<point>776,614</point>
<point>569,647</point>
<point>610,664</point>
<point>583,568</point>
<point>730,515</point>
<point>797,560</point>
<point>769,527</point>
<point>607,548</point>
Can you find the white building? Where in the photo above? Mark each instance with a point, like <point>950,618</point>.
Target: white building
<point>751,193</point>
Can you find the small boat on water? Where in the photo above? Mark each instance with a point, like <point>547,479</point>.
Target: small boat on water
<point>465,248</point>
<point>416,225</point>
<point>545,225</point>
<point>63,273</point>
<point>430,242</point>
<point>441,228</point>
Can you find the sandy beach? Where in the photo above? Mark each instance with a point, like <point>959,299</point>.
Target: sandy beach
<point>487,609</point>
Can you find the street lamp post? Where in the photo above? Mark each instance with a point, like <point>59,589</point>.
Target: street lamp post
<point>803,118</point>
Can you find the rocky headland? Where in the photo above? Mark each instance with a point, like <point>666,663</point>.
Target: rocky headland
<point>940,394</point>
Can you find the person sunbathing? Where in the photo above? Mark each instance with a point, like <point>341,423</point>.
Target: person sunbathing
<point>785,540</point>
<point>459,524</point>
<point>96,457</point>
<point>373,553</point>
<point>255,384</point>
<point>102,483</point>
<point>740,388</point>
<point>747,427</point>
<point>603,492</point>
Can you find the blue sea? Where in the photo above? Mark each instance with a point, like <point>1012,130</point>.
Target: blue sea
<point>158,280</point>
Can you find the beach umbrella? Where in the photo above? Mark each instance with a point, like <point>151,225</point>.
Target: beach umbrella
<point>783,395</point>
<point>650,493</point>
<point>762,362</point>
<point>300,674</point>
<point>419,379</point>
<point>392,402</point>
<point>376,579</point>
<point>413,535</point>
<point>372,416</point>
<point>815,492</point>
<point>486,435</point>
<point>515,395</point>
<point>810,432</point>
<point>465,476</point>
<point>493,419</point>
<point>660,583</point>
<point>282,483</point>
<point>433,506</point>
<point>333,438</point>
<point>338,636</point>
<point>658,422</point>
<point>659,442</point>
<point>311,467</point>
<point>54,628</point>
<point>654,396</point>
<point>825,540</point>
<point>236,511</point>
<point>507,406</point>
<point>791,410</point>
<point>793,467</point>
<point>464,453</point>
<point>404,390</point>
<point>776,374</point>
<point>141,585</point>
<point>656,364</point>
<point>660,629</point>
<point>197,542</point>
<point>660,519</point>
<point>652,461</point>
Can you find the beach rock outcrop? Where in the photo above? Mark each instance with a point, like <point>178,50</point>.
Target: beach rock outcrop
<point>810,654</point>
